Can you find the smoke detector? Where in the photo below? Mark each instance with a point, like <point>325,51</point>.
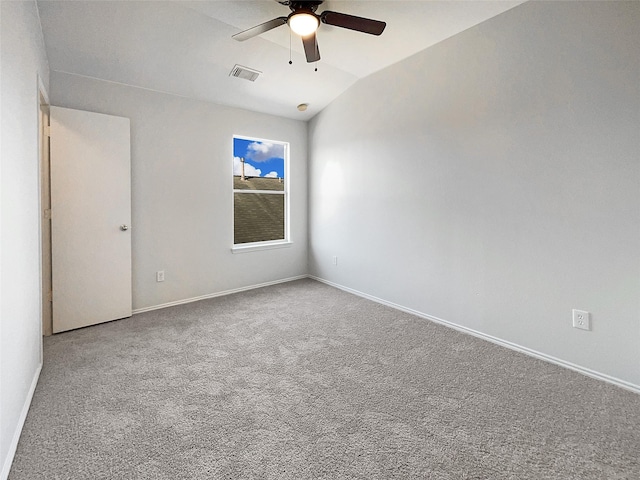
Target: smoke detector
<point>245,73</point>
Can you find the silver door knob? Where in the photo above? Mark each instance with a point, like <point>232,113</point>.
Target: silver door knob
<point>124,227</point>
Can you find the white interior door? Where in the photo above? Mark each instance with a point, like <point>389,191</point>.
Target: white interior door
<point>90,218</point>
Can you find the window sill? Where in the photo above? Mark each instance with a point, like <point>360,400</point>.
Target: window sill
<point>259,246</point>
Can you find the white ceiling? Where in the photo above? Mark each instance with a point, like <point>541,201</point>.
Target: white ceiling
<point>185,47</point>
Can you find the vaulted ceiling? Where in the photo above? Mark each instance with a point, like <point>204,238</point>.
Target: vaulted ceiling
<point>185,48</point>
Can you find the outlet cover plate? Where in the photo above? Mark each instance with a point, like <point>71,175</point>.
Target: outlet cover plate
<point>581,319</point>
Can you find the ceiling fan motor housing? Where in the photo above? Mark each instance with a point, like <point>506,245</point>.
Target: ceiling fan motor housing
<point>302,5</point>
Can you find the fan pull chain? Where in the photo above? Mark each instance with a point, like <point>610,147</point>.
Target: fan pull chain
<point>290,62</point>
<point>316,69</point>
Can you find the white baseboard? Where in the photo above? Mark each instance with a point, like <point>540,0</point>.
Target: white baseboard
<point>6,466</point>
<point>513,346</point>
<point>217,294</point>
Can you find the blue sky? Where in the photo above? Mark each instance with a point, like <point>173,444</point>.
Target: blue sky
<point>261,159</point>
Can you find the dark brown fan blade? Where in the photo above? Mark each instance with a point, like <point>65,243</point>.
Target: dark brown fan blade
<point>311,50</point>
<point>365,25</point>
<point>259,29</point>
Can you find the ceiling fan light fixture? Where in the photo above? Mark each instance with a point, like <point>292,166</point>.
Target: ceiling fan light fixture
<point>303,23</point>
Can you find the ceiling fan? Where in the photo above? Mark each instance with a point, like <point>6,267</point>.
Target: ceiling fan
<point>304,21</point>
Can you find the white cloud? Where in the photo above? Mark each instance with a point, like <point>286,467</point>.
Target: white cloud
<point>263,151</point>
<point>272,175</point>
<point>249,170</point>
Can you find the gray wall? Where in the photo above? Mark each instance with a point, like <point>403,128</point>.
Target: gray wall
<point>182,159</point>
<point>22,58</point>
<point>492,181</point>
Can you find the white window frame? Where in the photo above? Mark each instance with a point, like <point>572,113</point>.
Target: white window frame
<point>269,244</point>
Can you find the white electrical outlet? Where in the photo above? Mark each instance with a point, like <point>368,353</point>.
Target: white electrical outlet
<point>581,319</point>
<point>160,276</point>
<point>335,260</point>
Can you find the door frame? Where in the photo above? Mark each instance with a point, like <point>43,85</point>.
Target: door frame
<point>44,203</point>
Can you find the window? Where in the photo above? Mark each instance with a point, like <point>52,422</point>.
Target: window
<point>260,193</point>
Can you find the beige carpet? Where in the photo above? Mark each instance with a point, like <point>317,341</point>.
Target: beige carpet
<point>303,381</point>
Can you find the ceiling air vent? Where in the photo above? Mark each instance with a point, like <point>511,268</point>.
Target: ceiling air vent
<point>245,72</point>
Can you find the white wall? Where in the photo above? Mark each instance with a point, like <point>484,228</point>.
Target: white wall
<point>22,58</point>
<point>492,181</point>
<point>181,154</point>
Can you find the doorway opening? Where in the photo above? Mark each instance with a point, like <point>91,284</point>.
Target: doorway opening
<point>45,213</point>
